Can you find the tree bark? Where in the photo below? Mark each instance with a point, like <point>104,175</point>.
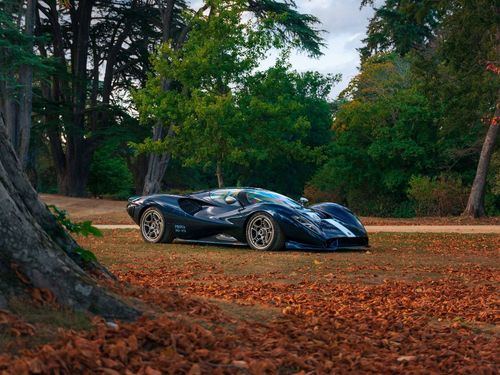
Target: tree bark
<point>220,177</point>
<point>34,245</point>
<point>475,203</point>
<point>157,165</point>
<point>16,98</point>
<point>26,80</point>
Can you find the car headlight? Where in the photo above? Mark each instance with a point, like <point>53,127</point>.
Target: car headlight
<point>305,222</point>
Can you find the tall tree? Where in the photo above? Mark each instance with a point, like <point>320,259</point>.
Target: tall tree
<point>101,49</point>
<point>16,81</point>
<point>453,43</point>
<point>220,52</point>
<point>280,17</point>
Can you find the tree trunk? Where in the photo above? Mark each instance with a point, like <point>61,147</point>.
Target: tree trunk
<point>475,204</point>
<point>157,164</point>
<point>34,245</point>
<point>72,181</point>
<point>139,167</point>
<point>16,96</point>
<point>26,99</point>
<point>220,179</point>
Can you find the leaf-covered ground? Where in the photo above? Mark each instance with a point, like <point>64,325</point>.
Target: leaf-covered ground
<point>413,303</point>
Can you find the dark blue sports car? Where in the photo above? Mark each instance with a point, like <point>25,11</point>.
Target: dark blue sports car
<point>260,218</point>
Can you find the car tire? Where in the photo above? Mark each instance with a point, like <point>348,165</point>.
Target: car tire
<point>154,228</point>
<point>263,233</point>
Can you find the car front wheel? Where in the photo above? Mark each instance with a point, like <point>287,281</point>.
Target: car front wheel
<point>264,233</point>
<point>154,229</point>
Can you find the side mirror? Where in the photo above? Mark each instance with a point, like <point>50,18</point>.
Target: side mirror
<point>303,201</point>
<point>230,199</point>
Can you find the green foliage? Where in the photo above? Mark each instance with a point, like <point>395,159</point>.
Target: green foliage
<point>401,26</point>
<point>418,107</point>
<point>86,255</point>
<point>84,228</point>
<point>109,175</point>
<point>439,196</point>
<point>14,45</point>
<point>288,26</point>
<point>223,114</point>
<point>288,119</point>
<point>492,198</point>
<point>384,132</point>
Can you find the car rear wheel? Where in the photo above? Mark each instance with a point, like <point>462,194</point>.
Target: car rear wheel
<point>263,233</point>
<point>154,229</point>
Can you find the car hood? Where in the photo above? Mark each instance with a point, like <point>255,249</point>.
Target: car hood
<point>331,226</point>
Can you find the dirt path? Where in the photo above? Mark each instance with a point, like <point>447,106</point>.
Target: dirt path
<point>434,228</point>
<point>105,211</point>
<point>385,228</point>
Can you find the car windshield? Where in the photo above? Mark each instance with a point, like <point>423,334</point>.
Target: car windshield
<point>253,196</point>
<point>257,196</point>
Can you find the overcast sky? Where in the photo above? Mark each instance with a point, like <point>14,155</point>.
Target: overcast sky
<point>345,26</point>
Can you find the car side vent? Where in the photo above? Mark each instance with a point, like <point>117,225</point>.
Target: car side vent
<point>189,206</point>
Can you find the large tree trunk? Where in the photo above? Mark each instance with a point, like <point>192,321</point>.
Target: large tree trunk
<point>157,164</point>
<point>26,80</point>
<point>72,180</point>
<point>37,250</point>
<point>16,98</point>
<point>139,167</point>
<point>475,204</point>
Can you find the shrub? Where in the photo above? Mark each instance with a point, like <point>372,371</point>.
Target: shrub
<point>492,196</point>
<point>109,175</point>
<point>317,195</point>
<point>439,196</point>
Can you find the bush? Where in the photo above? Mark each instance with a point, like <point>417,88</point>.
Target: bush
<point>439,196</point>
<point>109,175</point>
<point>317,195</point>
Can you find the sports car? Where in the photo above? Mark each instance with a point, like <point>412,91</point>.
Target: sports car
<point>261,219</point>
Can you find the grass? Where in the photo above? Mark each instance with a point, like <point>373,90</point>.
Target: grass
<point>396,256</point>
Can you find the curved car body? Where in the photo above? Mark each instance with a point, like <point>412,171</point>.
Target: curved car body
<point>222,216</point>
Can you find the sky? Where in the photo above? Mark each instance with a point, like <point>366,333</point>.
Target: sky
<point>345,26</point>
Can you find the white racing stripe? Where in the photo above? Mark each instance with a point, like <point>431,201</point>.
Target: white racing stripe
<point>340,227</point>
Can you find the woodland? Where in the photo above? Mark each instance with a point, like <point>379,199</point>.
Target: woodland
<point>113,99</point>
<point>117,98</point>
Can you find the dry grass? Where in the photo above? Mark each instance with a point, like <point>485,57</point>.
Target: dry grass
<point>408,256</point>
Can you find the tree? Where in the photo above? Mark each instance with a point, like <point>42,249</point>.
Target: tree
<point>453,43</point>
<point>289,119</point>
<point>280,17</point>
<point>44,257</point>
<point>384,133</point>
<point>100,50</point>
<point>220,52</point>
<point>225,116</point>
<point>16,79</point>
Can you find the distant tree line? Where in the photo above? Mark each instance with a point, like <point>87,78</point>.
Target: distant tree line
<point>416,130</point>
<point>137,97</point>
